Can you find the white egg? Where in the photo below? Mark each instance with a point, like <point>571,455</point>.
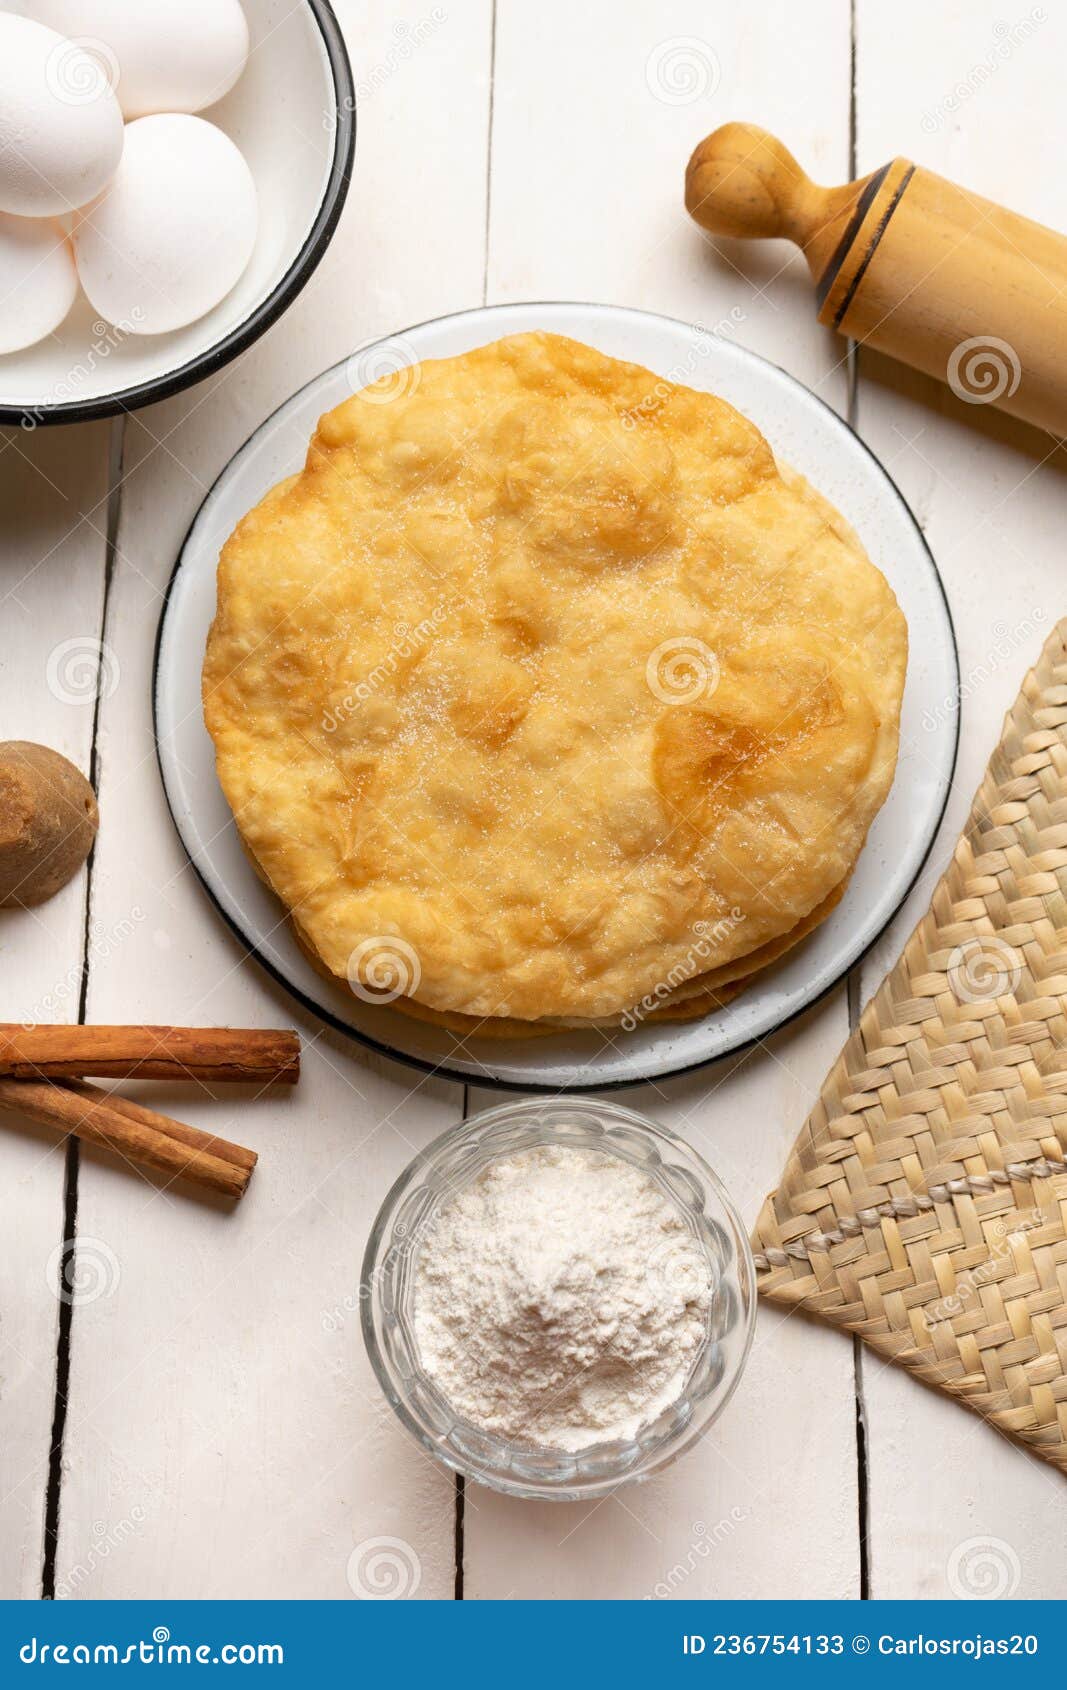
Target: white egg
<point>60,124</point>
<point>168,55</point>
<point>38,281</point>
<point>174,230</point>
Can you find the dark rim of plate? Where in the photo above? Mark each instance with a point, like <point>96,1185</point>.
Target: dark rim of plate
<point>281,296</point>
<point>482,1073</point>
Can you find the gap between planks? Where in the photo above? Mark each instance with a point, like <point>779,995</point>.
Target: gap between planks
<point>65,1323</point>
<point>460,1484</point>
<point>853,983</point>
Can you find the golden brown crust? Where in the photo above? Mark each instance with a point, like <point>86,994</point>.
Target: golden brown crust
<point>500,1027</point>
<point>703,995</point>
<point>543,670</point>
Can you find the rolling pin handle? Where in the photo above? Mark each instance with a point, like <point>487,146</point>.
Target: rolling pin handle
<point>742,182</point>
<point>908,264</point>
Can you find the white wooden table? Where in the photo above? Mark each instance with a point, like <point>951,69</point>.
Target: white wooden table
<point>212,1427</point>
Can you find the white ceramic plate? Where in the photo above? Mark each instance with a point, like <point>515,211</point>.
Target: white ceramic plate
<point>292,113</point>
<point>806,434</point>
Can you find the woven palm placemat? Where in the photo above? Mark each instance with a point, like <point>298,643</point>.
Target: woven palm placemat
<point>924,1204</point>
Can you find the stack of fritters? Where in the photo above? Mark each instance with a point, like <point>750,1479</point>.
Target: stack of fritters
<point>544,697</point>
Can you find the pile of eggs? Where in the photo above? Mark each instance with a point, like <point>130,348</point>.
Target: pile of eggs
<point>107,180</point>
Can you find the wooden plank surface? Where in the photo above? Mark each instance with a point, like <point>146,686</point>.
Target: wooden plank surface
<point>952,1504</point>
<point>226,1437</point>
<point>586,204</point>
<point>53,491</point>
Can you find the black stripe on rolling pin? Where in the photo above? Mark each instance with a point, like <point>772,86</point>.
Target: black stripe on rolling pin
<point>875,238</point>
<point>863,205</point>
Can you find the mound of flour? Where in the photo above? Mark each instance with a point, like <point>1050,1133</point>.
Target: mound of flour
<point>560,1299</point>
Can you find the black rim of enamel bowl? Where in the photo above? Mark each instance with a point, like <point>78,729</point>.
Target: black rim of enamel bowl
<point>280,297</point>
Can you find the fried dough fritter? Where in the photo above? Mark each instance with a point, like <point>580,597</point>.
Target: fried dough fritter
<point>543,671</point>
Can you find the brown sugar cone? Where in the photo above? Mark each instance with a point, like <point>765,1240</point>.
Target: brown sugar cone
<point>48,821</point>
<point>924,1204</point>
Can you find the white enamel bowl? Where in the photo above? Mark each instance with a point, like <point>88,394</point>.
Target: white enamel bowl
<point>292,113</point>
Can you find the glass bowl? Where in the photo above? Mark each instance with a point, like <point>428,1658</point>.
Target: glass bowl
<point>387,1288</point>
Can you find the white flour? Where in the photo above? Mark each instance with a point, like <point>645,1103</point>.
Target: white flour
<point>560,1299</point>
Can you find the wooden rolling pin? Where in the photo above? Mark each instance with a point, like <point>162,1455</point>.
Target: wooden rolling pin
<point>907,262</point>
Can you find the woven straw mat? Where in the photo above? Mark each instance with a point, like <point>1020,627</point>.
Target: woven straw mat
<point>924,1204</point>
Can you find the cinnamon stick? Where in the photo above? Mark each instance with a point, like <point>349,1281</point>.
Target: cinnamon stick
<point>149,1053</point>
<point>192,1136</point>
<point>139,1134</point>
